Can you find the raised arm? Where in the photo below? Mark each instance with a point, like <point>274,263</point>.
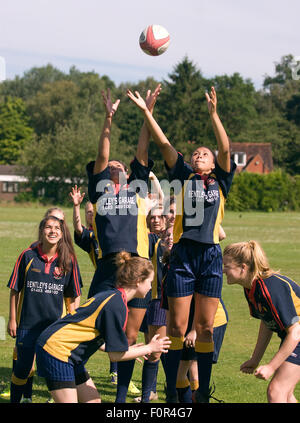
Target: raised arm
<point>104,142</point>
<point>220,133</point>
<point>77,198</point>
<point>168,151</point>
<point>143,143</point>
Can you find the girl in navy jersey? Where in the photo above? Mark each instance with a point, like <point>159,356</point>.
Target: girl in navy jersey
<point>275,300</point>
<point>201,188</point>
<point>45,275</point>
<point>120,210</point>
<point>65,346</point>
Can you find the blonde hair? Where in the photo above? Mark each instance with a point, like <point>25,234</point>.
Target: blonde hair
<point>131,269</point>
<point>251,254</point>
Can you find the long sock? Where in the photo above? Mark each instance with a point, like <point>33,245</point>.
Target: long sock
<point>172,359</point>
<point>125,370</point>
<point>113,368</point>
<point>16,388</point>
<point>28,387</point>
<point>194,385</point>
<point>153,389</point>
<point>148,377</point>
<point>204,358</point>
<point>184,391</point>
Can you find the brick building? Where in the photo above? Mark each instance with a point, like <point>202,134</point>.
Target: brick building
<point>252,157</point>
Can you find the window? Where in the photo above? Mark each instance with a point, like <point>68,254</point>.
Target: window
<point>10,187</point>
<point>239,158</point>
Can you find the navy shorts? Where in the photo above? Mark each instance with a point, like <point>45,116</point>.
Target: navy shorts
<point>155,316</point>
<point>25,345</point>
<point>295,356</point>
<point>59,374</point>
<point>195,267</point>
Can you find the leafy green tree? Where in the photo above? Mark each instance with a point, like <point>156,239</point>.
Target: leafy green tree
<point>31,82</point>
<point>15,131</point>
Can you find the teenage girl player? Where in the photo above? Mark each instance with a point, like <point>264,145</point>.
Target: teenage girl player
<point>275,300</point>
<point>65,346</point>
<point>196,258</point>
<point>44,277</point>
<point>120,218</point>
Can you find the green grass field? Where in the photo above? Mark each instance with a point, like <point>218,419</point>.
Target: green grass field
<point>279,234</point>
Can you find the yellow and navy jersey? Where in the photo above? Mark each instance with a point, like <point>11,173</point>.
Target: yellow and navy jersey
<point>200,201</point>
<point>87,241</point>
<point>102,319</point>
<point>42,287</point>
<point>120,212</point>
<point>156,252</point>
<point>276,301</point>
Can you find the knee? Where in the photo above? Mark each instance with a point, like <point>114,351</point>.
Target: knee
<point>275,392</point>
<point>131,335</point>
<point>205,330</point>
<point>177,329</point>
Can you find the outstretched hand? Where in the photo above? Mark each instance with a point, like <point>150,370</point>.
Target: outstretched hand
<point>76,196</point>
<point>159,344</point>
<point>137,99</point>
<point>151,97</point>
<point>110,107</point>
<point>211,101</point>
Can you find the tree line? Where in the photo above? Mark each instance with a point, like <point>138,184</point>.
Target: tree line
<point>50,121</point>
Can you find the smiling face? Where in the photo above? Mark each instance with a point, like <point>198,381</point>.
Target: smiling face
<point>51,233</point>
<point>202,160</point>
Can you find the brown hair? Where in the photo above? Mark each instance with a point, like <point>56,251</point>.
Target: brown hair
<point>252,254</point>
<point>131,269</point>
<point>65,249</point>
<point>67,238</point>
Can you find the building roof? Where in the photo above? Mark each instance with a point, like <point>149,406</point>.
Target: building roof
<point>253,148</point>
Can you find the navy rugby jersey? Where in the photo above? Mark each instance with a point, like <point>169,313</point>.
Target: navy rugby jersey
<point>200,201</point>
<point>102,319</point>
<point>87,242</point>
<point>276,301</point>
<point>42,288</point>
<point>120,215</point>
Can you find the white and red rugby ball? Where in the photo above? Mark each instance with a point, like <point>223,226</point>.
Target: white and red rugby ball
<point>154,40</point>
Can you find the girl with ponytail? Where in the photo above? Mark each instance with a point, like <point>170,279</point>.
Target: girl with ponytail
<point>275,300</point>
<point>65,346</point>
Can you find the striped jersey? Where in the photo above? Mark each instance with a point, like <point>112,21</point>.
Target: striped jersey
<point>120,212</point>
<point>42,288</point>
<point>102,319</point>
<point>276,301</point>
<point>200,201</point>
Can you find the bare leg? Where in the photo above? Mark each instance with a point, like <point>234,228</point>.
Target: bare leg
<point>87,392</point>
<point>281,387</point>
<point>66,395</point>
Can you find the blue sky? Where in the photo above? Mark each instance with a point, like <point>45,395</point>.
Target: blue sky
<point>220,36</point>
